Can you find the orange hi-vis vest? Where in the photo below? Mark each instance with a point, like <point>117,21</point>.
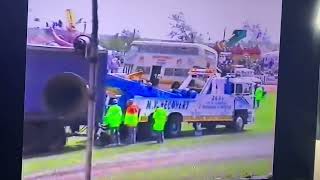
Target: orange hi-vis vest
<point>131,118</point>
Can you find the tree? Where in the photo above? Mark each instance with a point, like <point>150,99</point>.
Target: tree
<point>182,31</point>
<point>121,41</point>
<point>128,37</point>
<point>117,44</point>
<point>256,36</point>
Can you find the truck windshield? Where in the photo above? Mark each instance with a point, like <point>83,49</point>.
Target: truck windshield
<point>245,89</point>
<point>198,82</point>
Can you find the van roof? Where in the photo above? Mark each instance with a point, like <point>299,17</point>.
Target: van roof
<point>164,43</point>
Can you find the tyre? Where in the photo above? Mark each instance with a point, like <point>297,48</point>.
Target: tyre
<point>173,126</point>
<point>102,140</point>
<point>238,124</point>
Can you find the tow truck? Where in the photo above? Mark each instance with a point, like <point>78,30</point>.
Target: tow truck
<point>204,97</point>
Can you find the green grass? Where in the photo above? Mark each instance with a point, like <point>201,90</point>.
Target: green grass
<point>264,125</point>
<point>204,171</point>
<point>265,116</point>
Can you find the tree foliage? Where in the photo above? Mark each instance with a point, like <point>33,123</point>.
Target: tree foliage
<point>121,41</point>
<point>257,36</point>
<point>181,30</point>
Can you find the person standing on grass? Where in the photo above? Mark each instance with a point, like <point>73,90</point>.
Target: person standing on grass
<point>113,119</point>
<point>131,121</point>
<point>258,95</point>
<point>160,118</point>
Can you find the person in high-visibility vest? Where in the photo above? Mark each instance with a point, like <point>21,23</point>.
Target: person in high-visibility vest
<point>131,121</point>
<point>160,118</point>
<point>258,95</point>
<point>113,119</point>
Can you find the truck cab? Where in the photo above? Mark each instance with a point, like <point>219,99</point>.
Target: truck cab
<point>226,101</point>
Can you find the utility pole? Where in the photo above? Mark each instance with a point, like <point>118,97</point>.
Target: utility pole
<point>93,69</point>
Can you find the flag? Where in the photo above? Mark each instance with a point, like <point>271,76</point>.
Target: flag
<point>70,18</point>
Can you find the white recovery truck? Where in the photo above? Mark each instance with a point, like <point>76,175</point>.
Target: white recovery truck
<point>218,101</point>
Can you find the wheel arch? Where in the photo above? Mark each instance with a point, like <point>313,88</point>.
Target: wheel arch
<point>175,115</point>
<point>243,113</point>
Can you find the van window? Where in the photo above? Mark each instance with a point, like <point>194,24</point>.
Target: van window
<point>239,89</point>
<point>174,50</point>
<point>134,48</point>
<point>168,71</point>
<point>176,72</point>
<point>132,52</point>
<point>181,72</point>
<point>144,69</point>
<point>210,55</point>
<point>127,68</point>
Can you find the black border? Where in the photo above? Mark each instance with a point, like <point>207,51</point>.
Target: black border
<point>297,92</point>
<point>13,15</point>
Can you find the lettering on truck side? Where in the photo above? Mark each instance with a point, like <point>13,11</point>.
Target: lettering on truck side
<point>217,102</point>
<point>168,104</point>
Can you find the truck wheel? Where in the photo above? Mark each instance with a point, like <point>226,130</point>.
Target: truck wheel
<point>173,126</point>
<point>238,124</point>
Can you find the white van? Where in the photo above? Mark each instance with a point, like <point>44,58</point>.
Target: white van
<point>168,62</point>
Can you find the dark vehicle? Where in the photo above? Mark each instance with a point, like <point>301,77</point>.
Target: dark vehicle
<point>56,95</point>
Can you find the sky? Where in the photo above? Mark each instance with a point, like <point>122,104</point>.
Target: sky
<point>150,17</point>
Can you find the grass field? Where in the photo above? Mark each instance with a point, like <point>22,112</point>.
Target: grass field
<point>264,125</point>
<point>203,171</point>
